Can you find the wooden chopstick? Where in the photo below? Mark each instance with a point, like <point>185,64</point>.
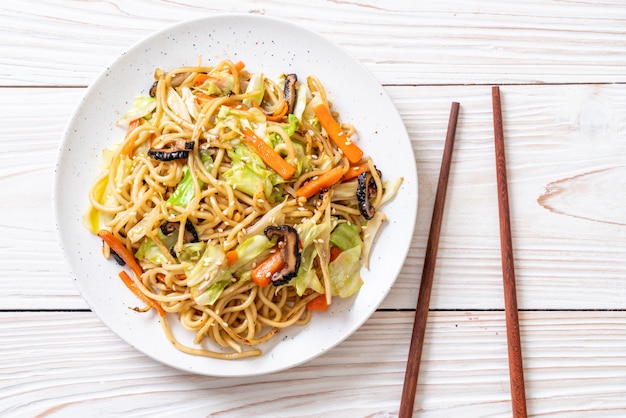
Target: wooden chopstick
<point>423,299</point>
<point>516,369</point>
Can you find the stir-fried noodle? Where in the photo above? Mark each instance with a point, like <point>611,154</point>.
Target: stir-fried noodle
<point>239,202</point>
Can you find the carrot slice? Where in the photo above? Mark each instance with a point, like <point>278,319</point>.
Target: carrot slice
<point>200,78</point>
<point>334,252</point>
<point>354,171</point>
<point>262,274</point>
<point>240,65</point>
<point>282,112</point>
<point>268,155</point>
<point>351,150</point>
<point>318,304</point>
<point>133,287</point>
<point>321,182</point>
<point>129,148</point>
<point>121,250</point>
<point>201,97</point>
<point>231,257</point>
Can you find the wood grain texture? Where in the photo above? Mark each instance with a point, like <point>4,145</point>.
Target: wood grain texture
<point>562,261</point>
<point>561,65</point>
<point>404,42</point>
<point>69,364</point>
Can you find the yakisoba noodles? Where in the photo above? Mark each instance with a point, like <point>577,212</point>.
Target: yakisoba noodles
<point>239,202</point>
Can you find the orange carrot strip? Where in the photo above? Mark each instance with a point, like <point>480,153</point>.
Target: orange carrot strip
<point>201,96</point>
<point>334,252</point>
<point>354,171</point>
<point>133,287</point>
<point>130,145</point>
<point>121,250</point>
<point>318,304</point>
<point>232,257</point>
<point>276,116</point>
<point>351,150</point>
<point>240,65</point>
<point>161,277</point>
<point>200,78</point>
<point>268,155</point>
<point>321,182</point>
<point>262,274</point>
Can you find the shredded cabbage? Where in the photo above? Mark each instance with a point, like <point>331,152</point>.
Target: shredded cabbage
<point>345,272</point>
<point>142,106</point>
<point>257,84</point>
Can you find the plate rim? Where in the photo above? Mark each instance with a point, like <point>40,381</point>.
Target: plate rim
<point>93,86</point>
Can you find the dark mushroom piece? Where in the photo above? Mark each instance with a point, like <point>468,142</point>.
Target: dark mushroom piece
<point>290,247</point>
<point>178,78</point>
<point>119,260</point>
<point>190,232</point>
<point>365,191</point>
<point>153,89</point>
<point>168,228</point>
<point>290,91</point>
<point>177,151</point>
<point>176,81</point>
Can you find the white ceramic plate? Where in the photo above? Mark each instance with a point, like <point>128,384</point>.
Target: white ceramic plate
<point>273,47</point>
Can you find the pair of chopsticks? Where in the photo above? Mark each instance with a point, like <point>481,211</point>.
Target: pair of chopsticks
<point>516,370</point>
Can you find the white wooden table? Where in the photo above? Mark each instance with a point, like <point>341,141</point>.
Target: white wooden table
<point>561,66</point>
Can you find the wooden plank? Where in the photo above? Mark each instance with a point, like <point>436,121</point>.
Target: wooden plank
<point>568,248</point>
<point>35,273</point>
<point>407,42</point>
<point>549,140</point>
<point>69,364</point>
